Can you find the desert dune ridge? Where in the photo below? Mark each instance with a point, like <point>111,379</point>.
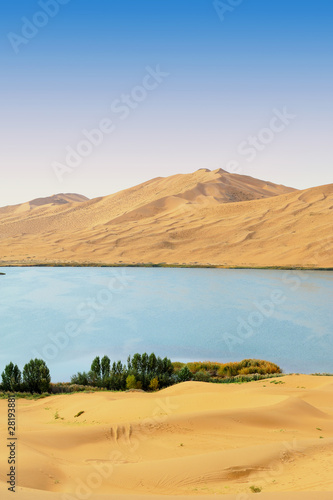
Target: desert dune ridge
<point>243,222</point>
<point>54,200</point>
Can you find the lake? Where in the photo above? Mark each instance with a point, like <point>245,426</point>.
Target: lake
<point>67,316</point>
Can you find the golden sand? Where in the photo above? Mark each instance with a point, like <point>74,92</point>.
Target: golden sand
<point>190,440</point>
<point>202,218</point>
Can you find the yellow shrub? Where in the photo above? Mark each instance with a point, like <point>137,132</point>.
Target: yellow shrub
<point>153,384</point>
<point>131,382</point>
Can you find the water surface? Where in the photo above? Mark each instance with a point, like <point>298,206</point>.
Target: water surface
<point>69,315</point>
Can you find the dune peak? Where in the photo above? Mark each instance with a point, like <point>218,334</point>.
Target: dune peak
<point>207,218</point>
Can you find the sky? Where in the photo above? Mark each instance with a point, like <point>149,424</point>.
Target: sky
<point>100,95</point>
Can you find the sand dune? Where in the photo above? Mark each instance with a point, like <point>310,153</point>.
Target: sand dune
<point>57,199</point>
<point>203,218</point>
<point>190,440</point>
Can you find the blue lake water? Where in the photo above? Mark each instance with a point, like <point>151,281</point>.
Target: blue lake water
<point>67,316</point>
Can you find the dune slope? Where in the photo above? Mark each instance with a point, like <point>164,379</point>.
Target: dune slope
<point>193,439</point>
<point>201,218</point>
<point>56,199</point>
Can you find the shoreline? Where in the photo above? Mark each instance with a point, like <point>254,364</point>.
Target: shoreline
<point>163,265</point>
<point>89,389</point>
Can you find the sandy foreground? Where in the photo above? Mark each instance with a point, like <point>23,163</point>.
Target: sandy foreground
<point>204,218</point>
<point>190,440</point>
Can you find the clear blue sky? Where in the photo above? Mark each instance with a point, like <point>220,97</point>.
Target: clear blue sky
<point>227,73</point>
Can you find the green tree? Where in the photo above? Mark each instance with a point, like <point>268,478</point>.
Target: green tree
<point>36,376</point>
<point>159,365</point>
<point>96,367</point>
<point>167,366</point>
<point>117,379</point>
<point>80,378</point>
<point>11,378</point>
<point>105,367</point>
<point>136,362</point>
<point>144,363</point>
<point>152,363</point>
<point>119,368</point>
<point>184,374</point>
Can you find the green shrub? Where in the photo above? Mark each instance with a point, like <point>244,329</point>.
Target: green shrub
<point>184,374</point>
<point>201,376</point>
<point>79,413</point>
<point>255,489</point>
